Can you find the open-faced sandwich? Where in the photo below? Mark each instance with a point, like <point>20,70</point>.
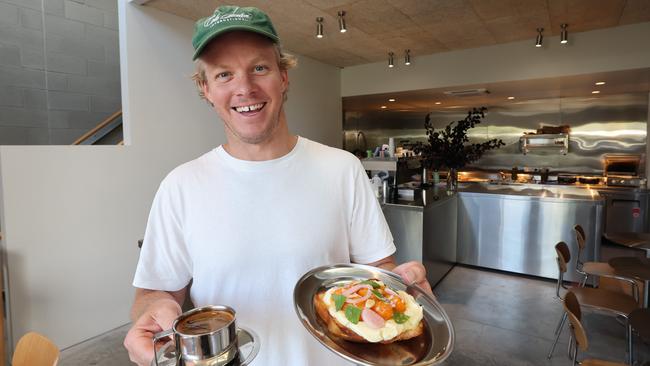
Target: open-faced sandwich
<point>369,311</point>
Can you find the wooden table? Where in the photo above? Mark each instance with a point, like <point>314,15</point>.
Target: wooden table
<point>631,240</point>
<point>634,267</point>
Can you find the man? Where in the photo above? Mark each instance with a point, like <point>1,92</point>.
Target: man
<point>247,219</point>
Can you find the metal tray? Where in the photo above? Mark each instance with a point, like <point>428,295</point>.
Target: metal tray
<point>431,348</point>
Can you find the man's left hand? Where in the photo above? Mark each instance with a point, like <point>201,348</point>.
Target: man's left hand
<point>414,273</point>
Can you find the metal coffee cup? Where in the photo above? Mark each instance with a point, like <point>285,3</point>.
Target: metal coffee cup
<point>205,336</point>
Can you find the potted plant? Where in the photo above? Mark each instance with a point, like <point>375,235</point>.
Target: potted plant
<point>449,147</point>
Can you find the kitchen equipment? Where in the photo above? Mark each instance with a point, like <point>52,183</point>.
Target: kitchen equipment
<point>566,179</point>
<point>589,180</point>
<point>431,348</point>
<point>623,170</point>
<point>544,142</point>
<point>626,210</point>
<point>205,336</point>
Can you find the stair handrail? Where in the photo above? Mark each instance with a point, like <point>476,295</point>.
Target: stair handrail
<point>101,125</point>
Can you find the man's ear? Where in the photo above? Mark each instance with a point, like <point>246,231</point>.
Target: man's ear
<point>285,80</point>
<point>204,90</point>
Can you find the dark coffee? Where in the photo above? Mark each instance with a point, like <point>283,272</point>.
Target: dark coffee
<point>204,322</point>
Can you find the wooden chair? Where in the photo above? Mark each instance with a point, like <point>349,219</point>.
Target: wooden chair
<point>34,349</point>
<point>599,269</point>
<point>596,299</point>
<point>572,309</point>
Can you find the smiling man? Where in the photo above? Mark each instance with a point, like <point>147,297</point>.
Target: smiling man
<point>244,221</point>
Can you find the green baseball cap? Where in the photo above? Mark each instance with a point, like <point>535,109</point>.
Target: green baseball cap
<point>230,18</point>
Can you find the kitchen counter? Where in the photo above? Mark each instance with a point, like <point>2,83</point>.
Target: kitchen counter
<point>533,191</point>
<point>424,229</point>
<point>422,198</point>
<point>515,227</point>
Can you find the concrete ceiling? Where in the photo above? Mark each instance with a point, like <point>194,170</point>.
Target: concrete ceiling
<point>376,27</point>
<point>617,82</point>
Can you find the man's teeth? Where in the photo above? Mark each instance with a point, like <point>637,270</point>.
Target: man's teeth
<point>249,108</point>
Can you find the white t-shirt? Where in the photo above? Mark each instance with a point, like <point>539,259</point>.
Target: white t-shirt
<point>246,231</point>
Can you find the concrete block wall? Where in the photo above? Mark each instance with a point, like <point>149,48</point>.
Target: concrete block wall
<point>59,69</point>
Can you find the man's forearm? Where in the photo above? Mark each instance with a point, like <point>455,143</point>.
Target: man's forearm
<point>387,263</point>
<point>144,298</point>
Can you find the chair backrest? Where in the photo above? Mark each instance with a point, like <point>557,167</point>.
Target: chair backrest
<point>34,349</point>
<point>572,308</point>
<point>581,240</point>
<point>563,256</point>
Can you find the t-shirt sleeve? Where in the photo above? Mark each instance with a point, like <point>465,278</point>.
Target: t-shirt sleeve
<point>164,262</point>
<point>370,237</point>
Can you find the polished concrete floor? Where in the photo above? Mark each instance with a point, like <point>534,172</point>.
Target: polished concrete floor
<point>500,319</point>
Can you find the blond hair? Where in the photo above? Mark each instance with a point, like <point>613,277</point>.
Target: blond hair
<point>286,61</point>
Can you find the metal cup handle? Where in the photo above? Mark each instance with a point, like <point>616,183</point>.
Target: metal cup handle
<point>157,339</point>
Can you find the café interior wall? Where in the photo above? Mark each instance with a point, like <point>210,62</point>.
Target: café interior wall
<point>611,124</point>
<point>71,215</point>
<point>609,49</point>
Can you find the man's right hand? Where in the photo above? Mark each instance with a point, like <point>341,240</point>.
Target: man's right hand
<point>158,316</point>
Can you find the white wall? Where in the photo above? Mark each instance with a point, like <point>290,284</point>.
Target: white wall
<point>602,50</point>
<point>71,215</point>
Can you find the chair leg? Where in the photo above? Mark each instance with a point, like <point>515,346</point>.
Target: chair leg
<point>559,323</point>
<point>572,348</point>
<point>630,345</point>
<point>557,336</point>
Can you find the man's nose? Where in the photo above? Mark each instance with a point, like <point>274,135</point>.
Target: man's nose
<point>245,84</point>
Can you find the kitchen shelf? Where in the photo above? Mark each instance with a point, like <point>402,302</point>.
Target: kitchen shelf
<point>544,142</point>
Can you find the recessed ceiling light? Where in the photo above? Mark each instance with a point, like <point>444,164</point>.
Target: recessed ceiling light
<point>383,107</point>
<point>600,83</point>
<point>511,98</point>
<point>391,99</point>
<point>438,102</point>
<point>595,92</point>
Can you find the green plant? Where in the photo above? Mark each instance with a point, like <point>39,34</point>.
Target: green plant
<point>448,147</point>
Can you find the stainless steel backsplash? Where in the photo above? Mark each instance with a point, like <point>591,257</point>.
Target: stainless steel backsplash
<point>599,125</point>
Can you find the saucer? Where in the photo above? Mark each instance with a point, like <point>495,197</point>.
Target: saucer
<point>248,345</point>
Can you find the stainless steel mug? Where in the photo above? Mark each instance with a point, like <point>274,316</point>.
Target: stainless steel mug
<point>205,336</point>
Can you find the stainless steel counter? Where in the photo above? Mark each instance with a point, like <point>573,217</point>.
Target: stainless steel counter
<point>515,228</point>
<point>424,229</point>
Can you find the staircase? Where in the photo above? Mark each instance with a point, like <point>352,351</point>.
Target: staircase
<point>108,132</point>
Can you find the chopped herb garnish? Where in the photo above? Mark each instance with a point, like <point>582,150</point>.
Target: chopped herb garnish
<point>353,314</point>
<point>378,294</point>
<point>400,318</point>
<point>374,284</point>
<point>339,300</point>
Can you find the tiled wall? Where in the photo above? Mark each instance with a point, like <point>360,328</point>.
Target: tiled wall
<point>59,69</point>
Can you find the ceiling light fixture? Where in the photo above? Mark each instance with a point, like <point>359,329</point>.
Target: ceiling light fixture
<point>595,92</point>
<point>342,27</point>
<point>391,99</point>
<point>383,107</point>
<point>438,102</point>
<point>391,62</point>
<point>600,83</point>
<point>511,98</point>
<point>319,27</point>
<point>563,34</point>
<point>407,57</point>
<point>540,37</point>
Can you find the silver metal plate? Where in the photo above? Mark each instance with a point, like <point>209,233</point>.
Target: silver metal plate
<point>248,344</point>
<point>431,348</point>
